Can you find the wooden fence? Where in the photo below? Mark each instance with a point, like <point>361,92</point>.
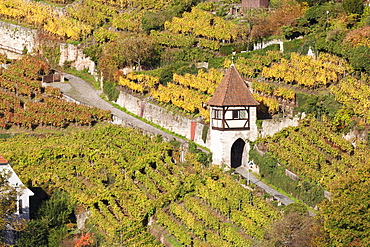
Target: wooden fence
<point>51,78</point>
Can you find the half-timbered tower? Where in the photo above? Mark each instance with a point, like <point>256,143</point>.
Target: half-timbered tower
<point>233,120</point>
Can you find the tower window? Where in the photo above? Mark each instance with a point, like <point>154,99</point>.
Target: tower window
<point>240,114</point>
<point>217,114</point>
<point>243,114</point>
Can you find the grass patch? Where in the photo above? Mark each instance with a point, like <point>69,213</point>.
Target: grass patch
<point>173,241</point>
<point>84,75</point>
<point>42,131</point>
<point>283,192</point>
<point>58,5</point>
<point>22,24</point>
<point>73,42</point>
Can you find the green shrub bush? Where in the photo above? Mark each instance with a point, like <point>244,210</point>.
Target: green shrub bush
<point>110,89</point>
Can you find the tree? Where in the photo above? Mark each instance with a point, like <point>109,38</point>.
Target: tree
<point>353,6</point>
<point>359,57</point>
<point>138,49</point>
<point>295,229</point>
<point>284,15</point>
<point>126,50</point>
<point>346,215</point>
<point>8,196</point>
<point>48,229</point>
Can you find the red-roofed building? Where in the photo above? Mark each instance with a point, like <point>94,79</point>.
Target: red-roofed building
<point>3,161</point>
<point>233,120</point>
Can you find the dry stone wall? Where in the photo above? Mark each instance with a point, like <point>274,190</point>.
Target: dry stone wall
<point>74,54</point>
<point>272,126</point>
<point>181,125</point>
<point>17,39</point>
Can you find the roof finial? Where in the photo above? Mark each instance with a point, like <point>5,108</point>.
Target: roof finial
<point>232,58</point>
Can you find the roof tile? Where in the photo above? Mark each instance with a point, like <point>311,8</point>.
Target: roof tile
<point>3,161</point>
<point>232,91</point>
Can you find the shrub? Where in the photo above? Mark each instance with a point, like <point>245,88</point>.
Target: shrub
<point>353,6</point>
<point>359,58</point>
<point>110,89</point>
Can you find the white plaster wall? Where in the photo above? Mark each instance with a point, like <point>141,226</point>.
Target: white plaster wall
<point>165,118</point>
<point>272,126</point>
<point>14,181</point>
<point>222,141</point>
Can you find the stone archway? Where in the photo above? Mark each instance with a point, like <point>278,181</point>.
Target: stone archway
<point>237,153</point>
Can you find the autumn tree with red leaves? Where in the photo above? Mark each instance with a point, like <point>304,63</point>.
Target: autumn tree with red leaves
<point>85,240</point>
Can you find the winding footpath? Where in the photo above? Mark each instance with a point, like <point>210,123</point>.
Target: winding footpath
<point>253,180</point>
<point>83,92</point>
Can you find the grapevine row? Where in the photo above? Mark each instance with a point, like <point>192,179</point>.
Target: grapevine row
<point>312,151</point>
<point>306,71</point>
<point>354,94</point>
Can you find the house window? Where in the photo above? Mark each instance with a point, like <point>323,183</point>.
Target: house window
<point>217,114</point>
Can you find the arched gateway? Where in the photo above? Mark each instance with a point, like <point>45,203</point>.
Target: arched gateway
<point>233,119</point>
<point>237,153</point>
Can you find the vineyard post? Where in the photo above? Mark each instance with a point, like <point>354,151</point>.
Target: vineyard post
<point>327,20</point>
<point>248,177</point>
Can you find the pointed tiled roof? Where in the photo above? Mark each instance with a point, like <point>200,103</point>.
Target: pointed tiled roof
<point>232,91</point>
<point>3,161</point>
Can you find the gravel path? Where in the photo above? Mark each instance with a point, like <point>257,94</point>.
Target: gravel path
<point>252,179</point>
<point>83,92</point>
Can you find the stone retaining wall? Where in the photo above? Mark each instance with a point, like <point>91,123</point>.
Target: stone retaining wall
<point>272,126</point>
<point>15,39</point>
<point>18,38</point>
<point>181,125</point>
<point>74,54</point>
